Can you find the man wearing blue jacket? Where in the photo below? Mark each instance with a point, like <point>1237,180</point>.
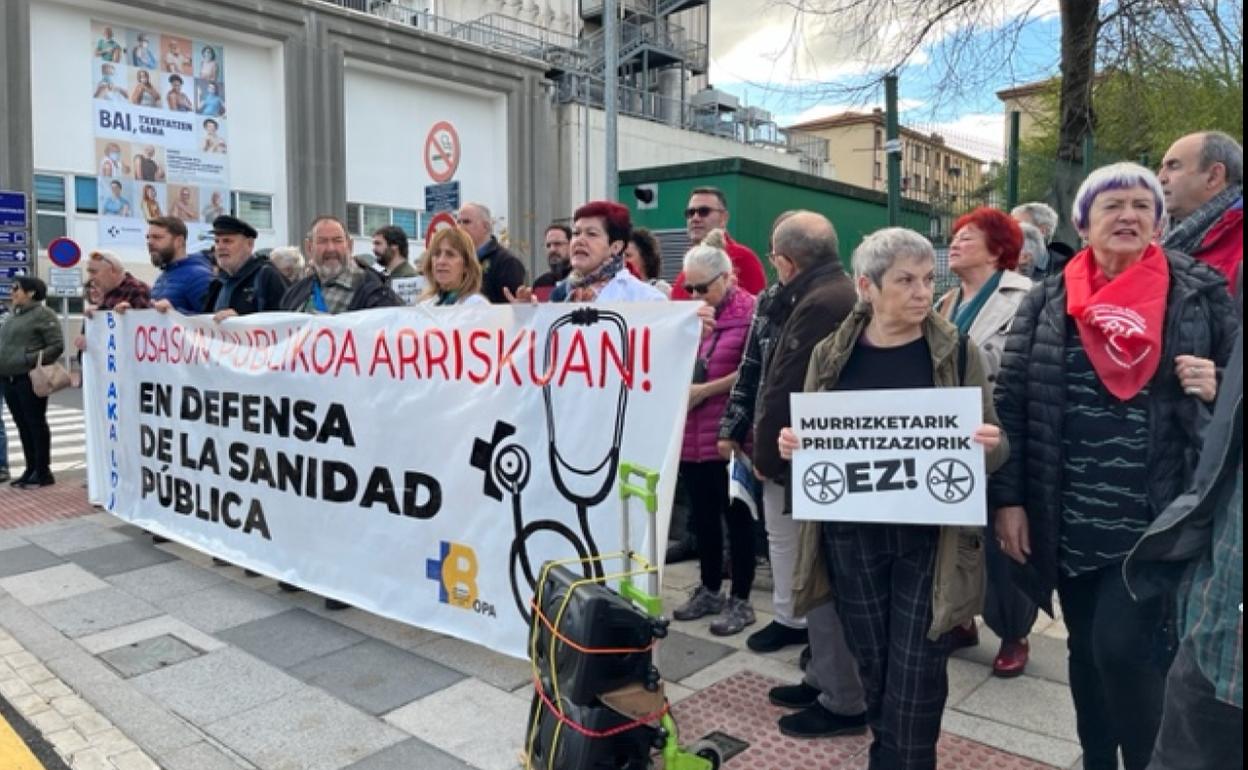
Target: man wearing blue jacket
<point>183,279</point>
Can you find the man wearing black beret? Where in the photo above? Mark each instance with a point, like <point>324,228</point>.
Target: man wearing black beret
<point>245,283</point>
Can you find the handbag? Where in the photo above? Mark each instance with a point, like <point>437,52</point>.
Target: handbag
<point>46,379</point>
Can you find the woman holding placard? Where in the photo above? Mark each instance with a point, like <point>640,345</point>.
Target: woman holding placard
<point>1110,370</point>
<point>984,254</point>
<point>899,589</point>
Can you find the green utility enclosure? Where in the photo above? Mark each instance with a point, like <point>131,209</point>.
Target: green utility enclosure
<point>757,194</point>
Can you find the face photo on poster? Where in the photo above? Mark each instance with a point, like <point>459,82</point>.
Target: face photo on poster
<point>210,98</point>
<point>112,158</point>
<point>184,202</point>
<point>177,97</point>
<point>143,91</point>
<point>143,49</point>
<point>117,199</point>
<point>208,62</point>
<point>151,200</point>
<point>108,45</point>
<point>216,203</point>
<point>213,136</point>
<point>176,55</point>
<point>149,163</point>
<point>110,81</point>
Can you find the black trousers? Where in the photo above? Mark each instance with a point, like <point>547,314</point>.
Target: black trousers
<point>30,413</point>
<point>1198,731</point>
<point>882,579</point>
<point>1008,611</point>
<point>707,486</point>
<point>1117,672</point>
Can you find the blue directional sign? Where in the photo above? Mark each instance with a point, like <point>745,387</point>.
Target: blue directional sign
<point>21,256</point>
<point>13,237</point>
<point>442,197</point>
<point>12,271</point>
<point>13,209</point>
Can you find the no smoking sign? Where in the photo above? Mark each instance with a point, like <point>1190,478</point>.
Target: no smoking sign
<point>442,152</point>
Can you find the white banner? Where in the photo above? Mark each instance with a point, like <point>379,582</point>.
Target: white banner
<point>889,456</point>
<point>159,119</point>
<point>420,463</point>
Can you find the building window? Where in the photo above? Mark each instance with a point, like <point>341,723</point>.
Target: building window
<point>879,139</point>
<point>86,195</point>
<point>878,174</point>
<point>364,219</point>
<point>255,209</point>
<point>50,221</point>
<point>375,218</point>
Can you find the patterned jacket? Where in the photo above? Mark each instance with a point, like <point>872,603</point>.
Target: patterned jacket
<point>1031,394</point>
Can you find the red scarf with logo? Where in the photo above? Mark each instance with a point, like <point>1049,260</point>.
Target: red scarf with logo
<point>1120,321</point>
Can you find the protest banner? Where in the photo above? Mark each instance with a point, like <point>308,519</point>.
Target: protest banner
<point>419,463</point>
<point>889,456</point>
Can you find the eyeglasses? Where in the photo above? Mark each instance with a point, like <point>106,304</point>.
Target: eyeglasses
<point>702,211</point>
<point>701,288</point>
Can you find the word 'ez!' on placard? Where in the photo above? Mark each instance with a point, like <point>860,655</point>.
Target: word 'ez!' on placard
<point>889,456</point>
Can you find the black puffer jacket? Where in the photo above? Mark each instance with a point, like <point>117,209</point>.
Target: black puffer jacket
<point>1031,396</point>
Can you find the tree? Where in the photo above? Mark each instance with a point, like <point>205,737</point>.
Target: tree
<point>973,41</point>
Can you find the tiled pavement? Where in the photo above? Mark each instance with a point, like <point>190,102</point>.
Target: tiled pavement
<point>133,655</point>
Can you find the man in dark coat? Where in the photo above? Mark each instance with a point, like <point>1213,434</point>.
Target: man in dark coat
<point>502,269</point>
<point>246,283</point>
<point>816,296</point>
<point>1195,550</point>
<point>336,284</point>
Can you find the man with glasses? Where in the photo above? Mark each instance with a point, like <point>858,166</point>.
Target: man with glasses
<point>707,211</point>
<point>558,240</point>
<point>815,296</point>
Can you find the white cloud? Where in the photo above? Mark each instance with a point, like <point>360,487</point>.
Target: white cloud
<point>980,134</point>
<point>828,110</point>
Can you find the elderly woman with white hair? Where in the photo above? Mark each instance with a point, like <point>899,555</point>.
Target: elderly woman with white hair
<point>709,276</point>
<point>1110,370</point>
<point>899,588</point>
<point>1034,251</point>
<point>288,261</point>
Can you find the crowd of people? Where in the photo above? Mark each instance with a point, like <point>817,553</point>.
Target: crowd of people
<point>1111,388</point>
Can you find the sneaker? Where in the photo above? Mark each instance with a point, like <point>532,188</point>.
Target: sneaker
<point>817,722</point>
<point>803,660</point>
<point>965,636</point>
<point>701,603</point>
<point>775,636</point>
<point>1011,660</point>
<point>794,696</point>
<point>736,616</point>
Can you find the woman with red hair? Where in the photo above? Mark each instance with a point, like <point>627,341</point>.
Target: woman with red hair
<point>984,254</point>
<point>600,233</point>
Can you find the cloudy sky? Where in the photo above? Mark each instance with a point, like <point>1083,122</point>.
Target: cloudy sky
<point>770,56</point>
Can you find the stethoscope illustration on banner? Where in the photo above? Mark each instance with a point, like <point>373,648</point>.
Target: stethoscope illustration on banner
<point>507,466</point>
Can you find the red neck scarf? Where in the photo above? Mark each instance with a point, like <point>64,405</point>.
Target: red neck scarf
<point>1120,321</point>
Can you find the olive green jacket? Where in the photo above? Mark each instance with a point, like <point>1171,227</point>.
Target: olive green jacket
<point>958,587</point>
<point>30,328</point>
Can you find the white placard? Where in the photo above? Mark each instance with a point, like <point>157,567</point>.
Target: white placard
<point>419,463</point>
<point>889,456</point>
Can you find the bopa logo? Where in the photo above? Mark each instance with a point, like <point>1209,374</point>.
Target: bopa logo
<point>455,571</point>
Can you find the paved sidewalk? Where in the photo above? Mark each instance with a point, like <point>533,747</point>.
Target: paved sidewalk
<point>130,655</point>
